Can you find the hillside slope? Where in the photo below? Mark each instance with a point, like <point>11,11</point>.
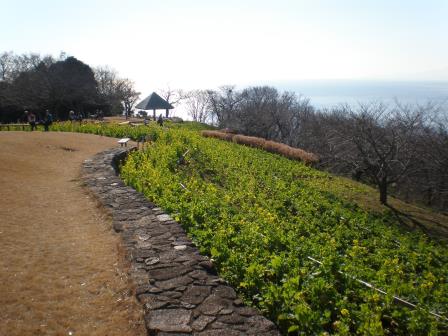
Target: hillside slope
<point>292,239</point>
<point>296,242</point>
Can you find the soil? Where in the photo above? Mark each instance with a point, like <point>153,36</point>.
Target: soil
<point>62,270</point>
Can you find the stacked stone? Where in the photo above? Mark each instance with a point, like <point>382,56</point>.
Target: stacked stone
<point>179,288</point>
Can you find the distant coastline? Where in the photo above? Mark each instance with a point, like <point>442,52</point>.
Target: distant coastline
<point>329,93</point>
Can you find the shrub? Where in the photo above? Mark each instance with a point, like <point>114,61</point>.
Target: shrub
<point>267,145</point>
<point>218,135</point>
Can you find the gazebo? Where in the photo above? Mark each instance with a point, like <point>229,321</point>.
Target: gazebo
<point>154,102</point>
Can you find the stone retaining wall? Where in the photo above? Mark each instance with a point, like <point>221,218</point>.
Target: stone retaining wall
<point>179,288</point>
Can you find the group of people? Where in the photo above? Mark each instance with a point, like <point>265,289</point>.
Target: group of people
<point>46,121</point>
<point>72,116</point>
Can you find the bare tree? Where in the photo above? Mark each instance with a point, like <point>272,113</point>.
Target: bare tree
<point>106,78</point>
<point>11,65</point>
<point>432,179</point>
<point>173,96</point>
<point>224,105</point>
<point>260,111</point>
<point>290,117</point>
<point>127,95</point>
<point>379,141</point>
<point>198,105</point>
<point>6,65</point>
<point>118,93</point>
<point>25,62</point>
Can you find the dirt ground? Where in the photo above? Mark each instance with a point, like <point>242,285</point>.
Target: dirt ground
<point>61,267</point>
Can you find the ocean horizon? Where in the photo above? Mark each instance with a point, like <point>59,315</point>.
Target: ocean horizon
<point>330,93</point>
<point>325,94</point>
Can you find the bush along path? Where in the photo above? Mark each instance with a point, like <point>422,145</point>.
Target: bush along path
<point>179,288</point>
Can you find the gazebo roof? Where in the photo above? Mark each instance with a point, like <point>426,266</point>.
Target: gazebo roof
<point>154,102</point>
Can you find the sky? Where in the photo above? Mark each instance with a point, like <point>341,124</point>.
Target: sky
<point>204,44</point>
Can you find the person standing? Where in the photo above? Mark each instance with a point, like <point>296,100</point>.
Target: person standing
<point>160,120</point>
<point>48,120</point>
<point>31,118</point>
<point>72,116</point>
<point>80,117</point>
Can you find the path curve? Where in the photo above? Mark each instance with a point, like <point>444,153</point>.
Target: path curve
<point>60,262</point>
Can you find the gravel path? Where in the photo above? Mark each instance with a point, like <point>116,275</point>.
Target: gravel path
<point>60,262</point>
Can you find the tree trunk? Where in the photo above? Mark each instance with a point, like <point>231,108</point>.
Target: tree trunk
<point>383,191</point>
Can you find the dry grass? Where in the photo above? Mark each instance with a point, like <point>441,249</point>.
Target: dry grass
<point>61,265</point>
<point>290,152</point>
<point>249,141</point>
<point>218,135</point>
<point>267,145</point>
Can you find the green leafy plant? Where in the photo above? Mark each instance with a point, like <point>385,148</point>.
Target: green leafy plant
<point>261,217</point>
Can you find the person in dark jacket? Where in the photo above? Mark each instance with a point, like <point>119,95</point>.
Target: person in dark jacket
<point>72,116</point>
<point>48,120</point>
<point>31,118</point>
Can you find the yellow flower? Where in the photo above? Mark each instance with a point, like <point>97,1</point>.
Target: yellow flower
<point>344,312</point>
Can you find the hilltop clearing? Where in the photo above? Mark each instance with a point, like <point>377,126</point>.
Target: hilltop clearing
<point>315,252</point>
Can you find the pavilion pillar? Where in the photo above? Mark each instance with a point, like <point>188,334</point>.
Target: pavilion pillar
<point>167,112</point>
<point>154,114</point>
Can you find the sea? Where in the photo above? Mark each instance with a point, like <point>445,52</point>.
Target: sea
<point>325,94</point>
<point>330,93</point>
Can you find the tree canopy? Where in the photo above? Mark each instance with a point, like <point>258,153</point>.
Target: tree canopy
<point>33,82</point>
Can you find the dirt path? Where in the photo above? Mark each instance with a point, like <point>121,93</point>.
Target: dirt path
<point>60,268</point>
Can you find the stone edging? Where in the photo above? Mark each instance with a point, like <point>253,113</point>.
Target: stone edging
<point>179,288</point>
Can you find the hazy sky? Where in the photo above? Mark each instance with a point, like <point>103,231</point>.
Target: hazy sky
<point>203,44</point>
